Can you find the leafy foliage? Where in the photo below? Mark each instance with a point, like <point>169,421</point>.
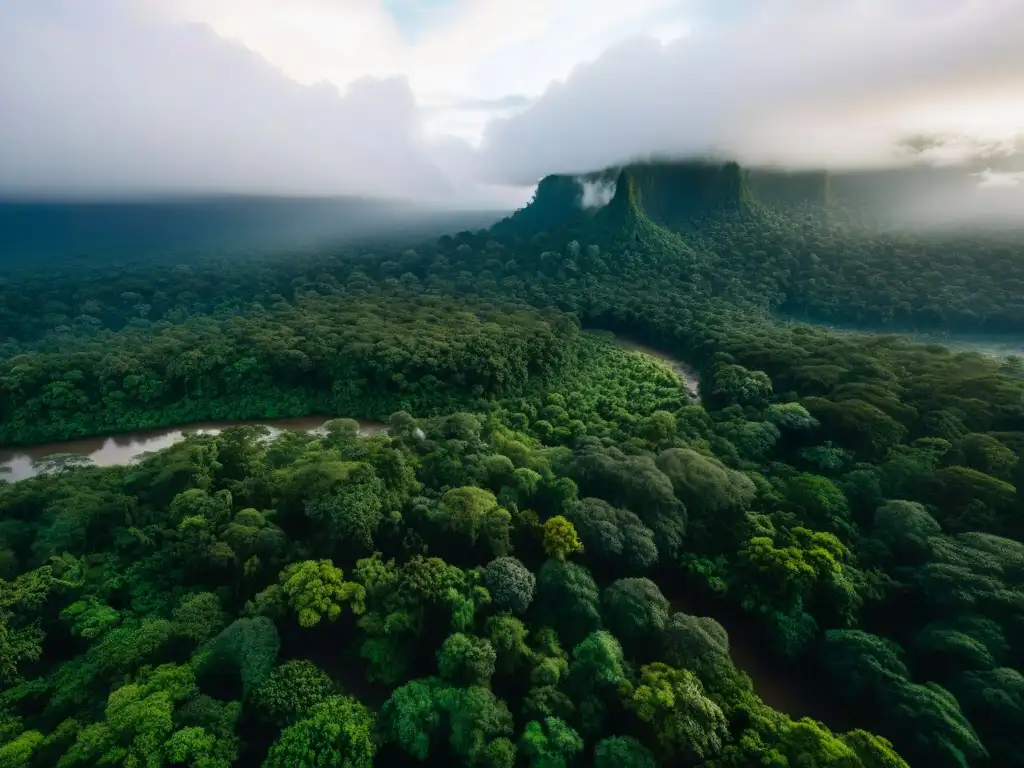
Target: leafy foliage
<point>510,583</point>
<point>336,732</point>
<point>850,500</point>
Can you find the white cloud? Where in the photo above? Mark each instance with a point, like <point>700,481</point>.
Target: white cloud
<point>471,49</point>
<point>104,99</point>
<point>332,96</point>
<point>796,82</point>
<point>989,179</point>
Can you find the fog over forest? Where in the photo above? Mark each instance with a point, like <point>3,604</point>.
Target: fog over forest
<point>547,384</point>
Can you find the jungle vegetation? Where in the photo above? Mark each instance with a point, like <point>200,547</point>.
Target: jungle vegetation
<point>527,567</point>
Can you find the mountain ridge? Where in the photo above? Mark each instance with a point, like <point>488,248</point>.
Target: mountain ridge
<point>678,195</point>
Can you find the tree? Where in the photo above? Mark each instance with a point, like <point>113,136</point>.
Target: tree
<point>413,714</point>
<point>993,700</point>
<point>819,504</point>
<point>597,662</point>
<point>704,484</point>
<point>862,665</point>
<point>687,725</point>
<point>969,500</point>
<point>856,424</point>
<point>247,647</point>
<point>21,637</point>
<point>659,426</point>
<point>735,385</point>
<point>547,701</point>
<point>466,660</point>
<point>807,742</point>
<point>250,534</point>
<point>90,618</point>
<point>113,655</point>
<point>559,537</point>
<point>635,611</point>
<point>193,746</point>
<point>551,744</point>
<point>614,536</point>
<point>798,568</point>
<point>695,642</point>
<point>196,502</point>
<point>291,691</point>
<point>507,636</point>
<point>510,583</point>
<point>933,729</point>
<point>337,733</point>
<point>967,643</point>
<point>351,514</point>
<point>17,752</point>
<point>903,528</point>
<point>138,721</point>
<point>873,751</point>
<point>634,483</point>
<point>596,669</point>
<point>622,752</point>
<point>477,719</point>
<point>568,599</point>
<point>473,513</point>
<point>199,616</point>
<point>315,589</point>
<point>984,453</point>
<point>791,416</point>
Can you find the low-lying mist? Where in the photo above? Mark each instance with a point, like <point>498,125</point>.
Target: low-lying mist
<point>595,193</point>
<point>136,230</point>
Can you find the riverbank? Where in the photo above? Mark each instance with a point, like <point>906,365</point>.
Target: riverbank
<point>22,463</point>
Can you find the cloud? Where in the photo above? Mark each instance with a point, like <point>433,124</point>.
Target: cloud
<point>462,49</point>
<point>354,96</point>
<point>107,99</point>
<point>513,101</point>
<point>309,96</point>
<point>794,82</point>
<point>595,194</point>
<point>989,179</point>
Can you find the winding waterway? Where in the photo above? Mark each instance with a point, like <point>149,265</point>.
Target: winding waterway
<point>22,463</point>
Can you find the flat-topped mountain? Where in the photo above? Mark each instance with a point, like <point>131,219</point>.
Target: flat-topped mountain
<point>679,195</point>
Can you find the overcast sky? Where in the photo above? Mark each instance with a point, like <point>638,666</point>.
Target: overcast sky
<point>457,100</point>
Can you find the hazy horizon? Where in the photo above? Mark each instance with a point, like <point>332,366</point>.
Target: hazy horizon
<point>136,230</point>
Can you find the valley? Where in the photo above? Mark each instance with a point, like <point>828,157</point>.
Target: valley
<point>592,467</point>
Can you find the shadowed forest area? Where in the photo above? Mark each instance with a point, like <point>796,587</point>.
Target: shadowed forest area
<point>561,551</point>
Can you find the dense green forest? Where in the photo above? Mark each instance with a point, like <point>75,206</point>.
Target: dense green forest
<point>533,565</point>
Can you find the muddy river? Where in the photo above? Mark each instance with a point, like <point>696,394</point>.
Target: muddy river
<point>21,463</point>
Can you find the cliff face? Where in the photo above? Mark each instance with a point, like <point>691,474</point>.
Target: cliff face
<point>673,194</point>
<point>679,195</point>
<point>667,194</point>
<point>781,187</point>
<point>555,205</point>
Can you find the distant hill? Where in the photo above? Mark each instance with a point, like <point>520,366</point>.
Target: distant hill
<point>679,195</point>
<point>917,249</point>
<point>665,194</point>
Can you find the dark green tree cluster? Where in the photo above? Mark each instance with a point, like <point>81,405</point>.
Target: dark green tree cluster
<point>364,357</point>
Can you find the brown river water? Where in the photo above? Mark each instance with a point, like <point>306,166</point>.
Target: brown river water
<point>20,463</point>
